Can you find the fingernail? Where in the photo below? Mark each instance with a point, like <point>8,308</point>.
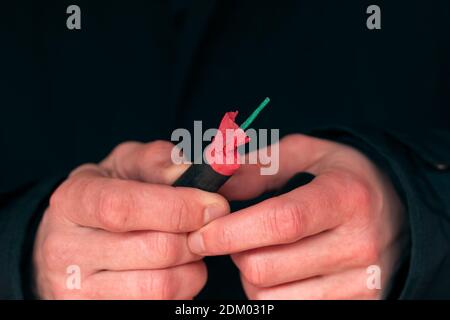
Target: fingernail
<point>196,243</point>
<point>212,212</point>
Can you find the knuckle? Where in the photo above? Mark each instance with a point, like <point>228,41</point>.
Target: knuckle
<point>360,194</point>
<point>285,221</point>
<point>160,286</point>
<point>157,155</point>
<point>159,146</point>
<point>60,195</point>
<point>181,220</point>
<point>112,210</point>
<point>223,240</point>
<point>165,247</point>
<point>55,252</point>
<point>354,194</point>
<point>256,269</point>
<point>124,147</point>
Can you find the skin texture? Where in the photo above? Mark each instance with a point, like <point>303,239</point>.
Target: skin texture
<point>317,241</point>
<point>136,237</point>
<point>125,228</point>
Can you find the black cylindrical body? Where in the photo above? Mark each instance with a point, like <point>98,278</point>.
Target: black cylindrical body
<point>201,176</point>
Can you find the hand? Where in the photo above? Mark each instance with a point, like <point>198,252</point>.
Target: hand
<point>125,229</point>
<point>317,241</point>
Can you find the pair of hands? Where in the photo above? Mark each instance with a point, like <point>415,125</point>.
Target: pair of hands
<point>133,236</point>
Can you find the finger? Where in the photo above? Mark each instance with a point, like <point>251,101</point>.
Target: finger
<point>322,254</point>
<point>148,162</point>
<point>89,199</point>
<point>181,282</point>
<point>297,153</point>
<point>305,211</point>
<point>351,284</point>
<point>140,250</point>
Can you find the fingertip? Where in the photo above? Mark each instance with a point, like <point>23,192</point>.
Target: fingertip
<point>214,211</point>
<point>202,207</point>
<point>196,243</point>
<point>210,199</point>
<point>216,206</point>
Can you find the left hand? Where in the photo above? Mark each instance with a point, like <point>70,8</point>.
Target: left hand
<point>317,241</point>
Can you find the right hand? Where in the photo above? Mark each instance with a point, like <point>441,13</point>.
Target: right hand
<point>126,229</point>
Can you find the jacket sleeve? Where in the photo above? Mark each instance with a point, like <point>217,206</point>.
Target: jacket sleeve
<point>419,167</point>
<point>20,213</point>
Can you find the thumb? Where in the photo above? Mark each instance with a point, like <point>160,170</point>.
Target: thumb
<point>297,153</point>
<point>147,162</point>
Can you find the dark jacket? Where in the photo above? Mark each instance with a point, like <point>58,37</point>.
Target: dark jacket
<point>139,69</point>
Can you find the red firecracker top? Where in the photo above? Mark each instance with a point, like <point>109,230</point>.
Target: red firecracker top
<point>222,153</point>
